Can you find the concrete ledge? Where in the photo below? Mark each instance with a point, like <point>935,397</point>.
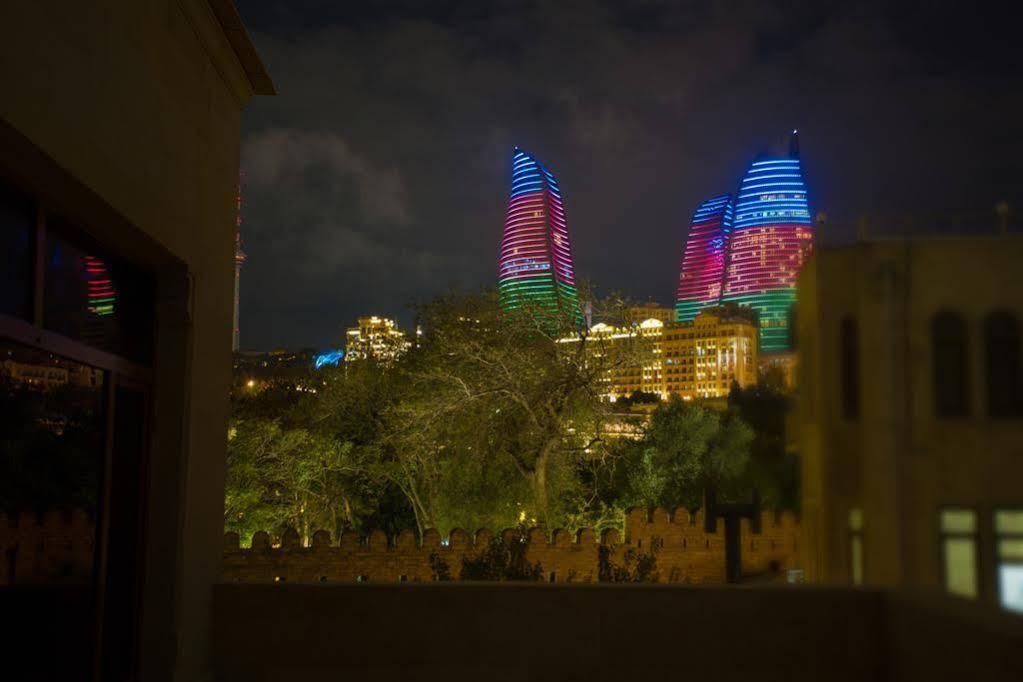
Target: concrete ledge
<point>542,631</point>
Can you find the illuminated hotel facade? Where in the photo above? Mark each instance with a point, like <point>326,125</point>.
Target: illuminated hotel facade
<point>703,258</point>
<point>536,267</point>
<point>377,338</point>
<point>699,359</point>
<point>771,238</point>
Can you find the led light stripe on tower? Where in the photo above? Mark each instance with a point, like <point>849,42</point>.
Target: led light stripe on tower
<point>99,287</point>
<point>703,259</point>
<point>771,238</point>
<point>535,266</point>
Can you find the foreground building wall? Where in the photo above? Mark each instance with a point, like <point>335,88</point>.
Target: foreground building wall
<point>605,633</point>
<point>125,120</point>
<point>911,415</point>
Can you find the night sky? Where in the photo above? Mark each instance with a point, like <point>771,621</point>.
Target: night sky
<point>378,176</point>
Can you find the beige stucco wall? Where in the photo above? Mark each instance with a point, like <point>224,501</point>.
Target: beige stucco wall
<point>898,462</point>
<point>141,102</point>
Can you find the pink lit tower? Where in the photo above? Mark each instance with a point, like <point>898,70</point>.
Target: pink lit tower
<point>535,268</point>
<point>703,259</point>
<point>771,238</point>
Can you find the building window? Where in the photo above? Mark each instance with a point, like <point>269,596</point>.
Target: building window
<point>856,546</point>
<point>1009,533</point>
<point>959,550</point>
<point>1002,365</point>
<point>850,366</point>
<point>950,365</point>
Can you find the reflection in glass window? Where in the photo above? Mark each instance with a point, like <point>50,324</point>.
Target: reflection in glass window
<point>17,218</point>
<point>959,550</point>
<point>96,299</point>
<point>1009,531</point>
<point>51,453</point>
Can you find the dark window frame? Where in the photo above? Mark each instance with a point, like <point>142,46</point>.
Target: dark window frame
<point>849,366</point>
<point>119,373</point>
<point>950,364</point>
<point>1003,378</point>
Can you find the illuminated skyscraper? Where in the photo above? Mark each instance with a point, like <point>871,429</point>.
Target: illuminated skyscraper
<point>771,238</point>
<point>536,266</point>
<point>703,260</point>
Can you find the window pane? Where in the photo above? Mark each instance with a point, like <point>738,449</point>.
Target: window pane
<point>1010,549</point>
<point>958,521</point>
<point>17,218</point>
<point>960,566</point>
<point>1009,521</point>
<point>1002,365</point>
<point>95,299</point>
<point>855,519</point>
<point>51,454</point>
<point>856,557</point>
<point>950,365</point>
<point>1010,586</point>
<point>850,366</point>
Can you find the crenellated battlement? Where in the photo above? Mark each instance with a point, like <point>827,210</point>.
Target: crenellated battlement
<point>60,546</point>
<point>685,551</point>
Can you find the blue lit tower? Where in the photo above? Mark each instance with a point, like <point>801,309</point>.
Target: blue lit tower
<point>535,267</point>
<point>772,236</point>
<point>703,259</point>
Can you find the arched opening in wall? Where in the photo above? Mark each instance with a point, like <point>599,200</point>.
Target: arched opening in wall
<point>1002,365</point>
<point>950,366</point>
<point>849,362</point>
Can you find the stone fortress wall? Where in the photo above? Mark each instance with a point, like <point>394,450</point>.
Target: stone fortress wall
<point>685,552</point>
<point>58,546</point>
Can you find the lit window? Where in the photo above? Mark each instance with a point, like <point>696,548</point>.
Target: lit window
<point>959,550</point>
<point>1009,531</point>
<point>856,546</point>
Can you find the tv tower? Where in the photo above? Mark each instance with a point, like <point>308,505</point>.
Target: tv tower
<point>239,258</point>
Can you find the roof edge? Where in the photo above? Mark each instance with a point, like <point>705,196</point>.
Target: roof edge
<point>241,44</point>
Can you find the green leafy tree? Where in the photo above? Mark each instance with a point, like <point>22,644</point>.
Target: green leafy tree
<point>773,469</point>
<point>686,448</point>
<point>507,390</point>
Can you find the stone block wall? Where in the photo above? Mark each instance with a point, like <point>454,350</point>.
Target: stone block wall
<point>685,552</point>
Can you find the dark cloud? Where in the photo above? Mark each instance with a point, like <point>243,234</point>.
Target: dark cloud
<point>378,176</point>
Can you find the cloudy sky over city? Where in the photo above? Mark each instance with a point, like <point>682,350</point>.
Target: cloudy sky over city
<point>377,178</point>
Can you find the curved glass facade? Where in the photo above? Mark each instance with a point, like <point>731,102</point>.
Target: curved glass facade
<point>703,259</point>
<point>771,238</point>
<point>536,267</point>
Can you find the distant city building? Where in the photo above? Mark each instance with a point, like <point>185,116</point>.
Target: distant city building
<point>703,358</point>
<point>771,237</point>
<point>377,338</point>
<point>910,409</point>
<point>703,258</point>
<point>648,311</point>
<point>694,360</point>
<point>257,369</point>
<point>536,267</point>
